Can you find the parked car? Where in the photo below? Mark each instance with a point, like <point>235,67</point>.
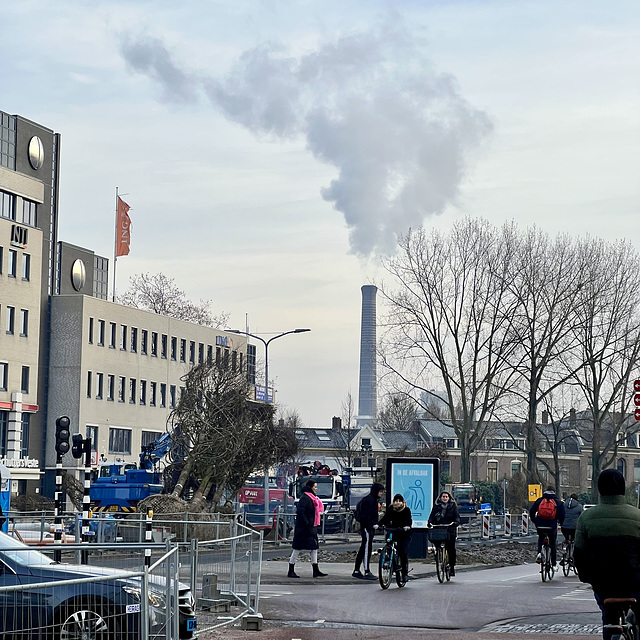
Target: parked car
<point>102,608</point>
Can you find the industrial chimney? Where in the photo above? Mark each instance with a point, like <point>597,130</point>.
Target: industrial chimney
<point>368,392</point>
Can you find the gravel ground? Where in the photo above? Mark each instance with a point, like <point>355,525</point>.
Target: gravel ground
<point>507,553</point>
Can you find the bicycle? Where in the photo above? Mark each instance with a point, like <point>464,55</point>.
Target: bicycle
<point>547,570</point>
<point>568,564</point>
<point>389,561</point>
<point>622,623</point>
<point>438,533</point>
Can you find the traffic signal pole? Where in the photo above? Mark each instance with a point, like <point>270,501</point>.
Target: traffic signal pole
<point>85,498</point>
<point>57,534</point>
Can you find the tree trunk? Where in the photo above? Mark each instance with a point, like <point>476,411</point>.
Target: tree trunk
<point>184,476</point>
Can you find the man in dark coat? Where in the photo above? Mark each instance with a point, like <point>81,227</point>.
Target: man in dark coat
<point>607,547</point>
<point>368,518</point>
<point>551,524</point>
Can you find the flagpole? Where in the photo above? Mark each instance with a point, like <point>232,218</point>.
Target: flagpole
<point>115,248</point>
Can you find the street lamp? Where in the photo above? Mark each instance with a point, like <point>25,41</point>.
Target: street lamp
<point>266,344</point>
<point>367,451</point>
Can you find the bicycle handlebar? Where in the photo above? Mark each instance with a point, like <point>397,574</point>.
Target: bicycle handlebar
<point>393,529</point>
<point>433,526</point>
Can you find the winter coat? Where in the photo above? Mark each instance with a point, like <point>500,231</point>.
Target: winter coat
<point>397,520</point>
<point>541,522</point>
<point>445,514</point>
<point>607,547</point>
<point>305,535</point>
<point>369,508</point>
<point>572,511</point>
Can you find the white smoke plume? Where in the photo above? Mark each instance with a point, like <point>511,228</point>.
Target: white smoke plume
<point>370,104</point>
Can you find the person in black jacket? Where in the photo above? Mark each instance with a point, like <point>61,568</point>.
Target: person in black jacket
<point>368,518</point>
<point>305,535</point>
<point>549,525</point>
<point>398,516</point>
<point>445,511</point>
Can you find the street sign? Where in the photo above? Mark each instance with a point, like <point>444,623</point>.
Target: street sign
<point>94,458</point>
<point>535,492</point>
<point>485,508</point>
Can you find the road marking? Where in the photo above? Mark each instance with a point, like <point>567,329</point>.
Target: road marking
<point>318,621</point>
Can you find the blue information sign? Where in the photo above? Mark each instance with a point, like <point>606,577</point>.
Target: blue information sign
<point>417,480</point>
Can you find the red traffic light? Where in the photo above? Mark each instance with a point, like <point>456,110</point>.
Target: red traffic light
<point>636,399</point>
<point>62,435</point>
<point>636,414</point>
<point>636,386</point>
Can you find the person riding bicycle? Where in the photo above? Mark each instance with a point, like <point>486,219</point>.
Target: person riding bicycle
<point>398,516</point>
<point>445,511</point>
<point>572,510</point>
<point>368,518</point>
<point>547,512</point>
<point>607,544</point>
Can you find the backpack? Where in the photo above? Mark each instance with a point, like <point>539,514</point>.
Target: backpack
<point>357,514</point>
<point>547,509</point>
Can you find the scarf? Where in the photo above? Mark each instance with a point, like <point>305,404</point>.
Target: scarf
<point>319,507</point>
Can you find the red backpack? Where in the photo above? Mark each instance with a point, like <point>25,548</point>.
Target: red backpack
<point>547,509</point>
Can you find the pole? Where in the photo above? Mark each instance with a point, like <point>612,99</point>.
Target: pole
<point>57,534</point>
<point>115,248</point>
<point>86,498</point>
<point>266,399</point>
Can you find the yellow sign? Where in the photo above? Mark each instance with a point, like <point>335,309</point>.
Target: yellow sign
<point>535,492</point>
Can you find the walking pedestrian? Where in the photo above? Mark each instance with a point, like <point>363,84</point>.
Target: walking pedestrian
<point>368,508</point>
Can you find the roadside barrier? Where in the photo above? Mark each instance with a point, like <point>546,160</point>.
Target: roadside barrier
<point>507,524</point>
<point>525,523</point>
<point>486,526</point>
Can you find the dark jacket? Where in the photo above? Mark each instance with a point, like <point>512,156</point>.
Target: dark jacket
<point>396,520</point>
<point>369,507</point>
<point>445,514</point>
<point>572,511</point>
<point>305,535</point>
<point>540,522</point>
<point>607,551</point>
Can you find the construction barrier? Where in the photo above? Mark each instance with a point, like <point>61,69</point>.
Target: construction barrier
<point>486,526</point>
<point>507,524</point>
<point>525,523</point>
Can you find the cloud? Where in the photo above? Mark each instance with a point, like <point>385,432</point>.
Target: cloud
<point>370,104</point>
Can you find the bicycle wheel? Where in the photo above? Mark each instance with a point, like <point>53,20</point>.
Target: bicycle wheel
<point>545,561</point>
<point>447,568</point>
<point>566,562</point>
<point>440,562</point>
<point>398,570</point>
<point>384,567</point>
<point>550,568</point>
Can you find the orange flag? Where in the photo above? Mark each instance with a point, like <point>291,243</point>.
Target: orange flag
<point>123,228</point>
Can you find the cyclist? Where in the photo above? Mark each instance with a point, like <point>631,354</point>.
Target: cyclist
<point>547,511</point>
<point>607,546</point>
<point>445,511</point>
<point>368,518</point>
<point>572,511</point>
<point>398,516</point>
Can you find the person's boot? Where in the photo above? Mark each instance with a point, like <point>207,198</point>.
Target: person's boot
<point>292,573</point>
<point>316,572</point>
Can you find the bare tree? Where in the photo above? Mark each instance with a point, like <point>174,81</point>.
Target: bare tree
<point>159,294</point>
<point>449,320</point>
<point>347,449</point>
<point>398,413</point>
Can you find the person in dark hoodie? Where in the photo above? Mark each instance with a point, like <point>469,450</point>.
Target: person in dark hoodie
<point>548,512</point>
<point>398,516</point>
<point>368,518</point>
<point>305,536</point>
<point>445,511</point>
<point>607,551</point>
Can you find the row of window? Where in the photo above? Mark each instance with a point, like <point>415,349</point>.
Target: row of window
<point>150,342</point>
<point>120,439</point>
<point>11,204</point>
<point>12,264</point>
<point>7,141</point>
<point>24,440</point>
<point>136,391</point>
<point>10,321</point>
<point>4,378</point>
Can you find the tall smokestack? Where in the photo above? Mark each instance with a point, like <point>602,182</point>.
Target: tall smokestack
<point>368,392</point>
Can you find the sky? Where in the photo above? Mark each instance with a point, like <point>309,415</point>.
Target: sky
<point>273,152</point>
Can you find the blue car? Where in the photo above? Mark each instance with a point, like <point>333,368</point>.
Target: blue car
<point>99,608</point>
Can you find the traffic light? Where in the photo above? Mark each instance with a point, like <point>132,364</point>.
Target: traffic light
<point>636,398</point>
<point>78,446</point>
<point>62,435</point>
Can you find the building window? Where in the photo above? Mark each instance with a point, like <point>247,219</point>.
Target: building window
<point>88,384</point>
<point>143,392</point>
<point>132,390</point>
<point>1,258</point>
<point>492,470</point>
<point>174,347</point>
<point>516,467</point>
<point>200,353</point>
<point>564,476</point>
<point>24,436</point>
<point>112,335</point>
<point>154,344</point>
<point>24,323</point>
<point>99,385</point>
<point>163,346</point>
<point>144,338</point>
<point>446,466</point>
<point>234,361</point>
<point>29,213</point>
<point>123,337</point>
<point>134,340</point>
<point>91,433</point>
<point>192,352</point>
<point>122,381</point>
<point>101,333</point>
<point>8,146</point>
<point>543,472</point>
<point>7,204</point>
<point>11,313</point>
<point>217,355</point>
<point>26,266</point>
<point>12,267</point>
<point>172,396</point>
<point>100,278</point>
<point>24,380</point>
<point>4,373</point>
<point>183,350</point>
<point>119,440</point>
<point>110,387</point>
<point>4,418</point>
<point>152,394</point>
<point>636,469</point>
<point>209,354</point>
<point>149,437</point>
<point>163,395</point>
<point>622,467</point>
<point>90,330</point>
<point>226,358</point>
